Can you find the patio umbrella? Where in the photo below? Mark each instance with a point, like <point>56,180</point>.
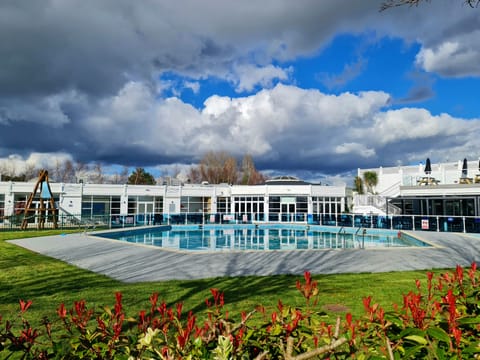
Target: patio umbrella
<point>428,167</point>
<point>465,168</point>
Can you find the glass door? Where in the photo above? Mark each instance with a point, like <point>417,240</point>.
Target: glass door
<point>145,213</point>
<point>288,211</point>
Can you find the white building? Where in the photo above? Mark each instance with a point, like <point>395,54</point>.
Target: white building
<point>449,193</point>
<point>283,199</point>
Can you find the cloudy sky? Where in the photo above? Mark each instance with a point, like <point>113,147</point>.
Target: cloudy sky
<point>310,88</point>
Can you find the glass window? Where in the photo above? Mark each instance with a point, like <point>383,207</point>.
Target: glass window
<point>132,205</point>
<point>223,205</point>
<point>2,207</point>
<point>158,204</point>
<point>274,204</point>
<point>302,204</point>
<point>115,205</point>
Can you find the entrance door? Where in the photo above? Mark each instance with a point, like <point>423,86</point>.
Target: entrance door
<point>288,212</point>
<point>145,213</point>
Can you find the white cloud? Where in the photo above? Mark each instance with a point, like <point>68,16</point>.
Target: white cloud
<point>286,127</point>
<point>355,148</point>
<point>452,58</point>
<point>265,124</point>
<point>16,164</point>
<point>411,124</point>
<point>192,85</point>
<point>247,77</point>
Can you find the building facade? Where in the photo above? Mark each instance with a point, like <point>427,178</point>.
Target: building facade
<point>446,197</point>
<point>279,200</point>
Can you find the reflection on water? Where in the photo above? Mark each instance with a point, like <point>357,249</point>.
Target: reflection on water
<point>263,239</point>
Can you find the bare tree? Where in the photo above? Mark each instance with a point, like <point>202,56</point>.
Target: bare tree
<point>221,167</point>
<point>394,3</point>
<point>230,171</point>
<point>98,176</point>
<point>55,170</point>
<point>9,170</point>
<point>62,171</point>
<point>122,177</point>
<point>81,171</point>
<point>218,167</point>
<point>68,174</point>
<point>194,175</point>
<point>250,175</point>
<point>31,172</point>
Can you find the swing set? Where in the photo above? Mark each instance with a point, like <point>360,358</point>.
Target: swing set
<point>46,195</point>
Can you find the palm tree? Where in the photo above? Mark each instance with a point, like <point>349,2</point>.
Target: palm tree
<point>370,179</point>
<point>358,184</point>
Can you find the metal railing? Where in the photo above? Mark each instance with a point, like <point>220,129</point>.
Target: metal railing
<point>465,224</point>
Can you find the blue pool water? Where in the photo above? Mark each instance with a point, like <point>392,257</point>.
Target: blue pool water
<point>265,237</point>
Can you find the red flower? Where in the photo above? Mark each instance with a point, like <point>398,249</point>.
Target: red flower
<point>459,272</point>
<point>471,273</point>
<point>102,325</point>
<point>29,335</point>
<point>25,305</point>
<point>310,288</point>
<point>457,334</point>
<point>118,304</point>
<point>244,316</point>
<point>348,317</point>
<point>153,302</point>
<point>62,311</point>
<point>366,303</point>
<point>179,310</point>
<point>274,317</point>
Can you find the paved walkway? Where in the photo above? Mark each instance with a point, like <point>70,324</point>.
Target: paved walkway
<point>136,263</point>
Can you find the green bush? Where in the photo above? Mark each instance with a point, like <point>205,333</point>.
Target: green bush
<point>437,321</point>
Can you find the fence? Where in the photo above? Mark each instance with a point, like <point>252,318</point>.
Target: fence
<point>396,222</point>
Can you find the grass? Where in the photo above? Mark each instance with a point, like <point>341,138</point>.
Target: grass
<point>49,282</point>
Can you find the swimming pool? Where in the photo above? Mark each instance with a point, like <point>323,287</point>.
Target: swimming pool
<point>265,237</point>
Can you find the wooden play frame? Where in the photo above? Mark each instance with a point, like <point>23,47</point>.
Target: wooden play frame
<point>45,194</point>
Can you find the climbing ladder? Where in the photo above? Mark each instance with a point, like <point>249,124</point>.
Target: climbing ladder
<point>43,186</point>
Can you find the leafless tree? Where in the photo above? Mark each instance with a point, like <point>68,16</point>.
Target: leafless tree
<point>250,175</point>
<point>194,175</point>
<point>81,171</point>
<point>221,167</point>
<point>68,175</point>
<point>30,172</point>
<point>98,176</point>
<point>394,3</point>
<point>121,177</point>
<point>218,167</point>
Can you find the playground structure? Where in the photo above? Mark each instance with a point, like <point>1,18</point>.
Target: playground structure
<point>46,195</point>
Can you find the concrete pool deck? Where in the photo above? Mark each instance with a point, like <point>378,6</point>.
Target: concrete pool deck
<point>138,263</point>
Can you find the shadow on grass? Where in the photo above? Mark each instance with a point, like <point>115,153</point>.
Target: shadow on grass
<point>24,274</point>
<point>28,275</point>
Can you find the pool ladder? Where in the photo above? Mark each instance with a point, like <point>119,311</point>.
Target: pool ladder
<point>363,236</point>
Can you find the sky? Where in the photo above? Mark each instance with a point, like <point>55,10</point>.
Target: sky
<point>314,89</point>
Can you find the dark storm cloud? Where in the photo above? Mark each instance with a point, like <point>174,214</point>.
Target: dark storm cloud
<point>82,77</point>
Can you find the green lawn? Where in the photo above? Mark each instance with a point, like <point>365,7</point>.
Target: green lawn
<point>49,282</point>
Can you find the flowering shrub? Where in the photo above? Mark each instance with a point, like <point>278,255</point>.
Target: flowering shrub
<point>439,321</point>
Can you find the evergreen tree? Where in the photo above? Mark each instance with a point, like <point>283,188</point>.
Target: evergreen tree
<point>141,177</point>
